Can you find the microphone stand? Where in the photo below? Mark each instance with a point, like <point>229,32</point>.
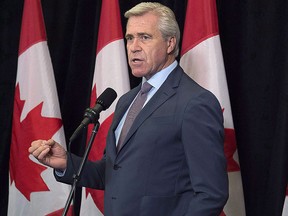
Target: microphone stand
<point>78,174</point>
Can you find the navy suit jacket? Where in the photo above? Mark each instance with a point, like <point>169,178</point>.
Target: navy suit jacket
<point>172,162</point>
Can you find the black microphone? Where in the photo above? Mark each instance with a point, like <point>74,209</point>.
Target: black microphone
<point>91,115</point>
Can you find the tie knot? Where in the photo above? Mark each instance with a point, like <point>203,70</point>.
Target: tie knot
<point>145,87</point>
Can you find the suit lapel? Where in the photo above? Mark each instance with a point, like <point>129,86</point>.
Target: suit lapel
<point>123,105</point>
<point>121,108</point>
<point>167,90</point>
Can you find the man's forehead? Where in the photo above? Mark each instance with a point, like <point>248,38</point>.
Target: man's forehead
<point>145,19</point>
<point>141,24</point>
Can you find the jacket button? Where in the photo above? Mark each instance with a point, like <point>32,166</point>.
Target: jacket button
<point>116,167</point>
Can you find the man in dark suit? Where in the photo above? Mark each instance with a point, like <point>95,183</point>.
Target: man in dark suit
<point>171,161</point>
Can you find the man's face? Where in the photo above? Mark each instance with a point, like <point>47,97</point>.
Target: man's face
<point>147,49</point>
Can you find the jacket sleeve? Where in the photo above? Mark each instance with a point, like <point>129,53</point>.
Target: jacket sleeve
<point>92,176</point>
<point>203,140</point>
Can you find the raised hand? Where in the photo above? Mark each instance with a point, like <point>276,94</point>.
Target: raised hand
<point>50,153</point>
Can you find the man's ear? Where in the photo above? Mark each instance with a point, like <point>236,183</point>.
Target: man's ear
<point>171,45</point>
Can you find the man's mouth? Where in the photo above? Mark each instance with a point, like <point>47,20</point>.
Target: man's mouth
<point>136,60</point>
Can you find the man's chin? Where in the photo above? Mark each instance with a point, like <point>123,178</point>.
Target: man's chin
<point>138,73</point>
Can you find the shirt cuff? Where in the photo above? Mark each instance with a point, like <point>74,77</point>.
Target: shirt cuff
<point>60,173</point>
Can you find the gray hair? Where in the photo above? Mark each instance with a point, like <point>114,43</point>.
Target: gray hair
<point>168,25</point>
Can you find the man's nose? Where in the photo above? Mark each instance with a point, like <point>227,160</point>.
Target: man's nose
<point>135,45</point>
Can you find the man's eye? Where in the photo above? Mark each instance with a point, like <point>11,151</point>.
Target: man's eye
<point>142,38</point>
<point>145,37</point>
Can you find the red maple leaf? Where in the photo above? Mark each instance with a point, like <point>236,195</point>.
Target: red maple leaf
<point>60,212</point>
<point>230,148</point>
<point>23,171</point>
<point>222,214</point>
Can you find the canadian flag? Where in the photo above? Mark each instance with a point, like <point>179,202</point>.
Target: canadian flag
<point>111,70</point>
<point>33,189</point>
<point>201,58</point>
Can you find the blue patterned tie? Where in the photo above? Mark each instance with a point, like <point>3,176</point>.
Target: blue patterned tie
<point>133,112</point>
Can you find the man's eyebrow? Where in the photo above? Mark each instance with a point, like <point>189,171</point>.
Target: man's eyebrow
<point>144,33</point>
<point>138,34</point>
<point>128,35</point>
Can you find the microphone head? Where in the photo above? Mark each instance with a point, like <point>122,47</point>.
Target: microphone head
<point>107,98</point>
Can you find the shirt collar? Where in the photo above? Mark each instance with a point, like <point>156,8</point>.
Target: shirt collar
<point>158,79</point>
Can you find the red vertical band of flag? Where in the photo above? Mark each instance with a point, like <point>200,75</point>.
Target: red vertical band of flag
<point>202,24</point>
<point>110,24</point>
<point>111,70</point>
<point>32,29</point>
<point>36,115</point>
<point>201,58</point>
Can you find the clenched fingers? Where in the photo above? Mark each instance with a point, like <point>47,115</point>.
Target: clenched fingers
<point>40,148</point>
